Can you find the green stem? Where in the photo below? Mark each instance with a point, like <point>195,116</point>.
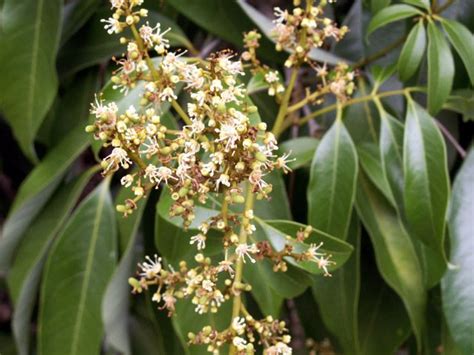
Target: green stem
<point>284,104</point>
<point>181,112</point>
<point>237,302</point>
<point>357,100</point>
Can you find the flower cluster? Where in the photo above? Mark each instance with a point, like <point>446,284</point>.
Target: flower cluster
<point>245,334</point>
<point>303,29</point>
<point>221,155</point>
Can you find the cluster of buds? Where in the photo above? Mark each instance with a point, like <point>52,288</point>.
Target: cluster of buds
<point>222,152</point>
<point>339,81</point>
<point>246,334</point>
<point>303,29</point>
<point>199,283</point>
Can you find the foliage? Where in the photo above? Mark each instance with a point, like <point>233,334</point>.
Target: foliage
<point>377,114</point>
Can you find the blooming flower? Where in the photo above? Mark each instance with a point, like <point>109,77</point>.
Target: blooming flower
<point>112,25</point>
<point>200,240</point>
<point>245,250</point>
<point>151,268</point>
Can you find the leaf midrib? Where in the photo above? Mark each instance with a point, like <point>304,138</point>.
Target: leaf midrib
<point>34,66</point>
<point>88,271</point>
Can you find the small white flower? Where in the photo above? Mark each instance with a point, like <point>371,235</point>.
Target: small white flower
<point>281,15</point>
<point>216,85</point>
<point>208,285</point>
<point>116,158</point>
<point>158,174</point>
<point>238,324</point>
<point>271,77</point>
<point>313,252</point>
<point>200,240</point>
<point>279,348</point>
<point>151,268</point>
<point>224,180</point>
<point>168,94</point>
<point>239,343</point>
<point>127,180</point>
<point>245,250</point>
<point>117,3</point>
<point>112,25</point>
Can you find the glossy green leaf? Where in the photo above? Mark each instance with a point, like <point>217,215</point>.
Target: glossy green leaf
<point>301,149</point>
<point>332,182</point>
<point>115,305</point>
<point>461,101</point>
<point>383,321</point>
<point>440,69</point>
<point>382,73</point>
<point>463,41</point>
<point>412,52</point>
<point>78,268</point>
<point>287,284</point>
<point>341,291</point>
<point>425,4</point>
<point>391,153</point>
<point>277,231</point>
<point>24,276</point>
<point>371,162</point>
<point>426,181</point>
<point>394,251</point>
<point>29,41</point>
<point>36,190</point>
<point>458,285</point>
<point>391,14</point>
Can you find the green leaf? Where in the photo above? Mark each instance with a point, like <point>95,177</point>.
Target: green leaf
<point>256,83</point>
<point>391,14</point>
<point>269,301</point>
<point>463,41</point>
<point>332,182</point>
<point>76,274</point>
<point>24,276</point>
<point>302,150</point>
<point>383,321</point>
<point>341,291</point>
<point>35,191</point>
<point>426,186</point>
<point>462,102</point>
<point>425,4</point>
<point>391,153</point>
<point>457,285</point>
<point>371,163</point>
<point>440,69</point>
<point>74,105</point>
<point>287,284</point>
<point>277,231</point>
<point>76,13</point>
<point>377,5</point>
<point>395,254</point>
<point>115,304</point>
<point>29,39</point>
<point>412,52</point>
<point>187,320</point>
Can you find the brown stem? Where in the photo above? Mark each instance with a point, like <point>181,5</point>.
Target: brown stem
<point>452,140</point>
